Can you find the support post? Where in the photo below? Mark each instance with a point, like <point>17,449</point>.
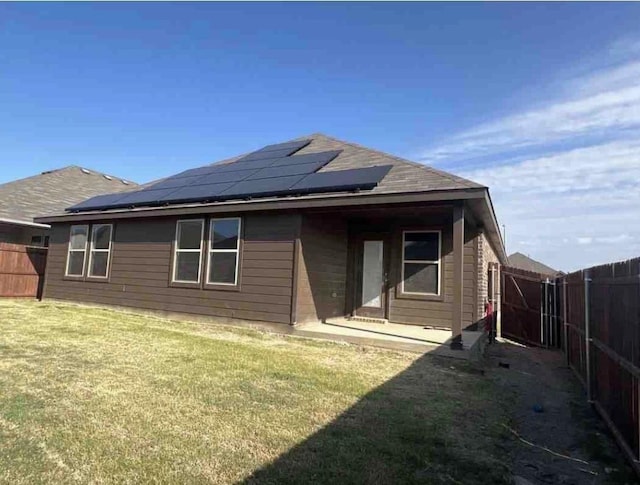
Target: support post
<point>499,286</point>
<point>565,324</point>
<point>492,299</point>
<point>587,335</point>
<point>458,279</point>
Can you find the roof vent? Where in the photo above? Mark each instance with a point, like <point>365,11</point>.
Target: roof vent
<point>84,170</point>
<point>124,182</point>
<point>108,177</point>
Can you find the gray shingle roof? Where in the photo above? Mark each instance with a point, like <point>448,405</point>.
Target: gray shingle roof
<point>51,192</point>
<point>521,261</point>
<point>405,176</point>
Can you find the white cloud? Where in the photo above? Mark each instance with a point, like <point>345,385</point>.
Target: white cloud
<point>620,238</point>
<point>564,177</point>
<point>603,102</point>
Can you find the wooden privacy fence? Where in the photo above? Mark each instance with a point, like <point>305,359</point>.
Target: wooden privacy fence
<point>529,312</point>
<point>600,308</point>
<point>21,270</point>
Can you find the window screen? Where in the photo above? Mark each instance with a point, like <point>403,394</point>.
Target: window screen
<point>224,248</point>
<point>188,251</point>
<point>77,250</point>
<point>100,250</point>
<point>421,262</point>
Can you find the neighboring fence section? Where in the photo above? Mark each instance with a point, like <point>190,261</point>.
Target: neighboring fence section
<point>600,308</point>
<point>21,270</point>
<point>529,312</point>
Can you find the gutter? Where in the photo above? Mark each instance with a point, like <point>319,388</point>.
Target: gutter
<point>16,222</point>
<point>503,250</point>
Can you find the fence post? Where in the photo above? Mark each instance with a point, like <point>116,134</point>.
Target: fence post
<point>547,320</point>
<point>565,324</point>
<point>587,334</point>
<point>554,314</point>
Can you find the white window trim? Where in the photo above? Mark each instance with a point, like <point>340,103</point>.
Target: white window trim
<point>420,261</point>
<point>176,250</point>
<point>92,250</point>
<point>211,250</point>
<point>70,250</point>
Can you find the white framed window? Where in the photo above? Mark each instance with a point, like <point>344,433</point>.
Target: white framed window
<point>100,250</point>
<point>224,251</point>
<point>421,264</point>
<point>187,256</point>
<point>77,251</point>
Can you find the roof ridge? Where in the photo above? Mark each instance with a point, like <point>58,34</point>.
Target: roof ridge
<point>92,171</point>
<point>73,166</point>
<point>450,176</point>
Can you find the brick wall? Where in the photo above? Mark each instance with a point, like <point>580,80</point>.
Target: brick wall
<point>486,255</point>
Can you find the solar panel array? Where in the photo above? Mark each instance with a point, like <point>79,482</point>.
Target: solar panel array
<point>271,171</point>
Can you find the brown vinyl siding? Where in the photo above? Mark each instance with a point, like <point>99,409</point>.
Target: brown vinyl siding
<point>141,270</point>
<point>322,268</point>
<point>142,257</point>
<point>436,311</point>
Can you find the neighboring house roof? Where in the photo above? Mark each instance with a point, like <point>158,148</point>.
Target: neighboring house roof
<point>405,179</point>
<point>51,192</point>
<point>522,261</point>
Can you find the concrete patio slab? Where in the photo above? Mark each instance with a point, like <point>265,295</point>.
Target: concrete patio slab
<point>412,338</point>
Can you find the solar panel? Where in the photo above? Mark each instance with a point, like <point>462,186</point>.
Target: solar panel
<point>262,187</point>
<point>193,193</point>
<point>324,157</point>
<point>98,202</point>
<point>286,170</point>
<point>219,177</point>
<point>175,182</point>
<point>261,155</point>
<point>271,171</point>
<point>207,169</point>
<point>146,196</point>
<point>294,146</point>
<point>337,180</point>
<point>245,165</point>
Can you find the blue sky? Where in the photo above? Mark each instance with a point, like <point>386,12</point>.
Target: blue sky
<point>539,101</point>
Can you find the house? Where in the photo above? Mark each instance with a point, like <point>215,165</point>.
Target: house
<point>300,231</point>
<point>47,193</point>
<point>521,261</point>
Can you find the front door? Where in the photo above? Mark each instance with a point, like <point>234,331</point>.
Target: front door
<point>371,278</point>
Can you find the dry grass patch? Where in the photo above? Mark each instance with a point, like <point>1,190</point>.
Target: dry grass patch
<point>96,395</point>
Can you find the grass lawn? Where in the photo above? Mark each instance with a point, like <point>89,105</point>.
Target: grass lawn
<point>102,396</point>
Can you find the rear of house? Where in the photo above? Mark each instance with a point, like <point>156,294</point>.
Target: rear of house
<point>23,241</point>
<point>382,239</point>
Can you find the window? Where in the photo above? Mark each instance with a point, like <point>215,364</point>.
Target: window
<point>421,262</point>
<point>77,250</point>
<point>100,250</point>
<point>36,240</point>
<point>188,251</point>
<point>224,248</point>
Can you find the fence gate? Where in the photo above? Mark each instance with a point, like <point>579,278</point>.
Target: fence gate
<point>21,270</point>
<point>529,313</point>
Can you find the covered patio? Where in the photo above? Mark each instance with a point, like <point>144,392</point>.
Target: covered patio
<point>412,338</point>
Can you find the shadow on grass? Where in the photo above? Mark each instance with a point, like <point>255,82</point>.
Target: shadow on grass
<point>428,424</point>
